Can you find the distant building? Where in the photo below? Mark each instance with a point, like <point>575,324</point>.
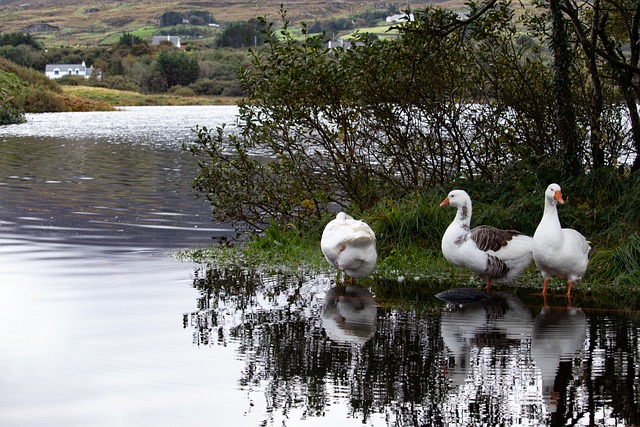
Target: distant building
<point>174,40</point>
<point>55,71</point>
<point>332,44</point>
<point>400,18</point>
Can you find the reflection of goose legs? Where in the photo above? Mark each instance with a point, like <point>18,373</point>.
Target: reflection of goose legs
<point>545,300</point>
<point>558,335</point>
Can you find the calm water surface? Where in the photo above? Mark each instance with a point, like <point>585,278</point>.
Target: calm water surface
<point>101,325</point>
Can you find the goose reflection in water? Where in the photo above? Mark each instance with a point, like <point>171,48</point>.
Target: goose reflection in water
<point>481,319</point>
<point>349,314</point>
<point>558,336</point>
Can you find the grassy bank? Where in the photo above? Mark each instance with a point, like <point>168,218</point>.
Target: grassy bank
<point>410,263</point>
<point>121,98</point>
<point>410,275</point>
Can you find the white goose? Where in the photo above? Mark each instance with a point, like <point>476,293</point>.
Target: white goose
<point>496,255</point>
<point>349,245</point>
<point>557,251</point>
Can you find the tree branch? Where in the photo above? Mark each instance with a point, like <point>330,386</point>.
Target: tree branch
<point>571,10</point>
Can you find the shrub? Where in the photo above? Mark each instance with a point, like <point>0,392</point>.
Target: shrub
<point>11,86</point>
<point>10,115</point>
<point>41,100</point>
<point>72,81</point>
<point>182,91</point>
<point>119,83</point>
<point>30,75</point>
<point>233,90</point>
<point>207,87</point>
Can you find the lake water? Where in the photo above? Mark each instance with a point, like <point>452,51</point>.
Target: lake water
<point>101,325</point>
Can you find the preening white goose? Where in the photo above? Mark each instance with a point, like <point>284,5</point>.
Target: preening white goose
<point>557,251</point>
<point>349,245</point>
<point>496,255</point>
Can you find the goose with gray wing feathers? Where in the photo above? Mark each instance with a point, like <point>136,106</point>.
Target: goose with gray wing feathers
<point>494,254</point>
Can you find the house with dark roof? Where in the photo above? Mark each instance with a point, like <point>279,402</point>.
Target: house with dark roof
<point>55,71</point>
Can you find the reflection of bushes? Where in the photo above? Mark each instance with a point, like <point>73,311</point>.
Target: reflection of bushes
<point>402,372</point>
<point>276,322</point>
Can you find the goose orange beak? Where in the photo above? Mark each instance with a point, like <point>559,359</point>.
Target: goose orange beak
<point>445,202</point>
<point>558,197</point>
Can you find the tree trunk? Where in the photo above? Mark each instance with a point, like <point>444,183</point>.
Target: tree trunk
<point>565,115</point>
<point>595,119</point>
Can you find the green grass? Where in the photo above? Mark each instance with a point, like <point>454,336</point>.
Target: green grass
<point>126,98</point>
<point>383,31</point>
<point>405,276</point>
<point>411,266</point>
<point>406,273</point>
<point>145,33</point>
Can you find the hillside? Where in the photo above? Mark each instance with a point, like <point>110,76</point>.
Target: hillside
<point>91,22</point>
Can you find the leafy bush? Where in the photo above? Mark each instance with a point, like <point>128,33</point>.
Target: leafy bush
<point>41,100</point>
<point>9,113</point>
<point>17,39</point>
<point>177,67</point>
<point>11,108</point>
<point>182,91</point>
<point>242,34</point>
<point>72,81</point>
<point>620,266</point>
<point>130,40</point>
<point>378,121</point>
<point>207,87</point>
<point>24,55</point>
<point>233,90</point>
<point>30,75</point>
<point>119,83</point>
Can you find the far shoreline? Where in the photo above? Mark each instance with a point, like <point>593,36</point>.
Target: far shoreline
<point>122,98</point>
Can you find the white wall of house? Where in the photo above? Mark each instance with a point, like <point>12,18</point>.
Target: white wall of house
<point>56,71</point>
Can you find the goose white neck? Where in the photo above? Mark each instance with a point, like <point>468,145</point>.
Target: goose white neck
<point>550,214</point>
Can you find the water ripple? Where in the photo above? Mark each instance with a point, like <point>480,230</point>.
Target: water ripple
<point>115,178</point>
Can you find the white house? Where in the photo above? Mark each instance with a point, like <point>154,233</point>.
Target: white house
<point>174,40</point>
<point>55,71</point>
<point>332,44</point>
<point>400,18</point>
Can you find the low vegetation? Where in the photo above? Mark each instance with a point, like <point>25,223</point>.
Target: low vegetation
<point>25,90</point>
<point>383,130</point>
<point>204,70</point>
<point>128,98</point>
<point>409,231</point>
